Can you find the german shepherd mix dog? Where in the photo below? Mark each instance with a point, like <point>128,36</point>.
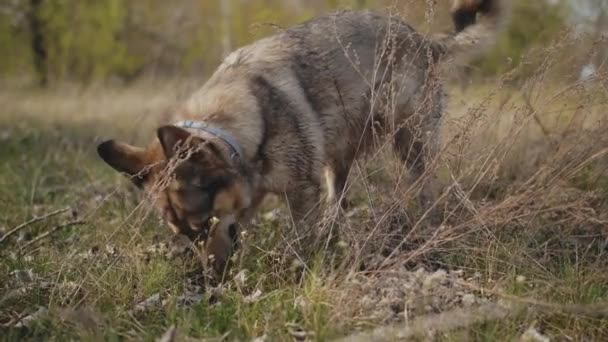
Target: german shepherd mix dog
<point>277,114</point>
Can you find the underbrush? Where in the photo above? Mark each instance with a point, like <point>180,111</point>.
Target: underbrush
<point>515,243</point>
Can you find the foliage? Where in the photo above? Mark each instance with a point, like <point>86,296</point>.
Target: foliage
<point>96,40</point>
<point>83,39</point>
<point>533,239</point>
<point>14,46</point>
<point>532,23</point>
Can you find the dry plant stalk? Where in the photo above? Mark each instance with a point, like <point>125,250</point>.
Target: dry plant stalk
<point>429,325</point>
<point>32,221</point>
<point>45,235</point>
<point>482,146</point>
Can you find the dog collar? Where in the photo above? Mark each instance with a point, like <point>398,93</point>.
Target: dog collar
<point>227,138</point>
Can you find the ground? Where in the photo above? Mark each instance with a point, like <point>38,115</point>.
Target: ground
<point>519,249</point>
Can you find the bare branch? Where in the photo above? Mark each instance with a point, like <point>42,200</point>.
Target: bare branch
<point>32,221</point>
<point>50,232</point>
<point>441,322</point>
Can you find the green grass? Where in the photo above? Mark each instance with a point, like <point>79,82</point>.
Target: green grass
<point>91,276</point>
<point>47,167</point>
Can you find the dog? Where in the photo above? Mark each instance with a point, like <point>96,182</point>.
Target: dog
<point>277,114</point>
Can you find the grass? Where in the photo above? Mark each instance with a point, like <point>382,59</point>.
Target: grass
<point>519,232</point>
<point>102,265</point>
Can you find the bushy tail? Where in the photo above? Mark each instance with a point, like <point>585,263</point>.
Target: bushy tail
<point>477,24</point>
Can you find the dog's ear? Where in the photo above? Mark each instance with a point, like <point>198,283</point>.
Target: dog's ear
<point>169,137</point>
<point>124,158</point>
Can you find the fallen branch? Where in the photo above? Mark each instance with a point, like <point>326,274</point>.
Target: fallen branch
<point>14,320</point>
<point>460,318</point>
<point>596,310</point>
<point>442,322</point>
<point>50,232</point>
<point>32,221</point>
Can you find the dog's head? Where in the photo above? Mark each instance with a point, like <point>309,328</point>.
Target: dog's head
<point>189,179</point>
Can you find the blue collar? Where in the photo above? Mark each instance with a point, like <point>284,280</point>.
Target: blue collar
<point>227,138</point>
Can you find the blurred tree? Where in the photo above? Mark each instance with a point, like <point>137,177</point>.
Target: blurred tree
<point>226,15</point>
<point>532,23</point>
<point>38,44</point>
<point>160,35</point>
<point>93,40</point>
<point>83,39</point>
<point>15,57</point>
<point>591,16</point>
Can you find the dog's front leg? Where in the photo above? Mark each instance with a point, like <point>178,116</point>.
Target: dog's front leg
<point>304,205</point>
<point>219,246</point>
<point>224,236</point>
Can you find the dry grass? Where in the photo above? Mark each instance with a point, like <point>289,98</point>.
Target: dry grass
<point>519,226</point>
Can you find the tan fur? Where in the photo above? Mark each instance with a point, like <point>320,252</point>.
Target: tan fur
<point>231,200</point>
<point>301,105</point>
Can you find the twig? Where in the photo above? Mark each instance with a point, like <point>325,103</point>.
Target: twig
<point>534,114</point>
<point>14,320</point>
<point>442,322</point>
<point>32,221</point>
<point>50,232</point>
<point>596,310</point>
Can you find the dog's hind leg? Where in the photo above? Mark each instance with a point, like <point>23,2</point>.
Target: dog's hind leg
<point>337,202</point>
<point>336,175</point>
<point>410,149</point>
<point>417,146</point>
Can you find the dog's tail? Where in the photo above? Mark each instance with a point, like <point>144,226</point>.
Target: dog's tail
<point>477,24</point>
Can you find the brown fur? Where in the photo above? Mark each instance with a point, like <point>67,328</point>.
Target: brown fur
<point>298,103</point>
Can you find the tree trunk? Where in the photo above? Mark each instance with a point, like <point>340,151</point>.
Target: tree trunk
<point>37,42</point>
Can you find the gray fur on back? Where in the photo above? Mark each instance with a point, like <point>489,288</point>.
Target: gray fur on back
<point>333,69</point>
<point>316,94</point>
